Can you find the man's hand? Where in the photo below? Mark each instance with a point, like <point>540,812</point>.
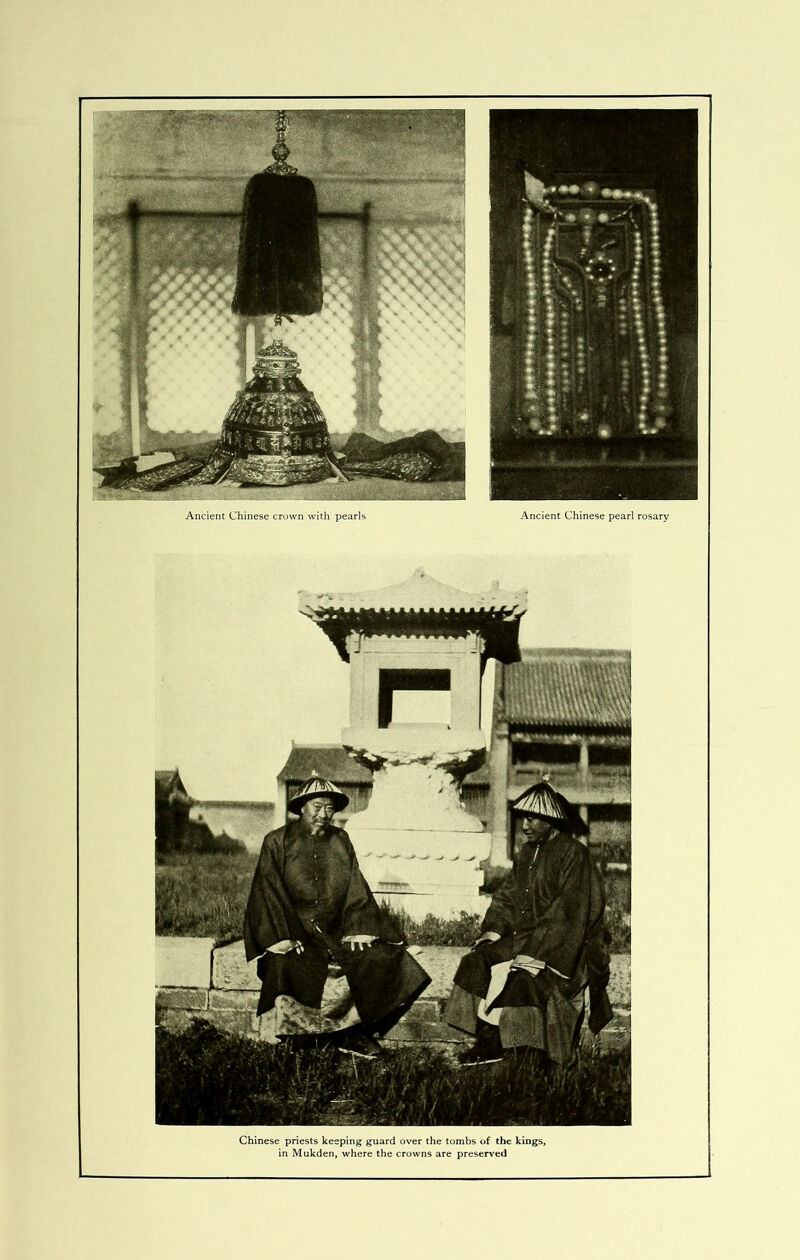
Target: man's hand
<point>285,947</point>
<point>487,939</point>
<point>359,942</point>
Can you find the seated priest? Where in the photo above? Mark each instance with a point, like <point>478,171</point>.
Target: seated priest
<point>328,970</point>
<point>542,945</point>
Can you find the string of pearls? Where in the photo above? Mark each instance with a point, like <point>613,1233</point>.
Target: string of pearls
<point>652,406</point>
<point>662,405</point>
<point>548,302</point>
<point>529,382</point>
<point>642,421</point>
<point>622,329</point>
<point>565,355</point>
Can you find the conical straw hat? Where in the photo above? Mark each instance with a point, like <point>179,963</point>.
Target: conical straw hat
<point>542,801</point>
<point>317,786</point>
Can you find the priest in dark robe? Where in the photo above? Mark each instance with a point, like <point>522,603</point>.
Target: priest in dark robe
<point>542,945</point>
<point>328,967</point>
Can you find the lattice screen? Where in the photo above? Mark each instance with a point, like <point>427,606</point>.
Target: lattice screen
<point>421,326</point>
<point>111,268</point>
<point>190,338</point>
<point>193,353</point>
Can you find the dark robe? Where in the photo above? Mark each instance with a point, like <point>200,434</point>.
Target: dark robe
<point>310,889</point>
<point>550,909</point>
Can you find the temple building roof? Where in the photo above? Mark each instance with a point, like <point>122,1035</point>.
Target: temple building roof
<point>330,761</point>
<point>170,789</point>
<point>568,687</point>
<point>420,601</point>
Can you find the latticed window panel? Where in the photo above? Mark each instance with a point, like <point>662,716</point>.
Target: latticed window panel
<point>421,326</point>
<point>191,342</point>
<point>111,264</point>
<point>327,344</point>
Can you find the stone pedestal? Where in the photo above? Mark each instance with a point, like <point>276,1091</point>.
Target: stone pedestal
<point>406,645</point>
<point>418,847</point>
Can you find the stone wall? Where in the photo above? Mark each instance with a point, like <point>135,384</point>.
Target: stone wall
<point>196,980</point>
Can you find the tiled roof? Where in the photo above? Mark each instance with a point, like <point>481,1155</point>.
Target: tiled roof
<point>332,762</point>
<point>420,598</point>
<point>169,788</point>
<point>568,688</point>
<point>328,760</point>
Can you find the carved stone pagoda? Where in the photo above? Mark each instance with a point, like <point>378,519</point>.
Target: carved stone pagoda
<point>417,650</point>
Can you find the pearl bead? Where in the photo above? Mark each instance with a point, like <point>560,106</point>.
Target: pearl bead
<point>574,190</point>
<point>602,217</point>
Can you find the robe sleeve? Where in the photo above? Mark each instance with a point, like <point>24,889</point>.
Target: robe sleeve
<point>269,916</point>
<point>361,914</point>
<point>500,915</point>
<point>597,959</point>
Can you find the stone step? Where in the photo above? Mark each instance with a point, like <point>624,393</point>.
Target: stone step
<point>195,980</point>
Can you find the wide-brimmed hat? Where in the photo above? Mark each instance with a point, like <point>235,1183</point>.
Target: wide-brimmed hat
<point>317,786</point>
<point>541,801</point>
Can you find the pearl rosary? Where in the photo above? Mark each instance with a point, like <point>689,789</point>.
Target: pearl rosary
<point>547,402</point>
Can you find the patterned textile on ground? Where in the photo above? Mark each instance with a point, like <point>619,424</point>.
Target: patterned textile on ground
<point>177,471</point>
<point>422,456</point>
<point>336,1012</point>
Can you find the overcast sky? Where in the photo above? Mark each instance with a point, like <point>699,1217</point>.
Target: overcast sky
<point>240,673</point>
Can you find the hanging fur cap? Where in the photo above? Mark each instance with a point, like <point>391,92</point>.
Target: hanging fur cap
<point>279,270</point>
<point>317,786</point>
<point>542,801</point>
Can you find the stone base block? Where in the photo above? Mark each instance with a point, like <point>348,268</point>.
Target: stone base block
<point>231,1021</point>
<point>422,847</point>
<point>181,999</point>
<point>183,961</point>
<point>231,970</point>
<point>175,1021</point>
<point>232,1000</point>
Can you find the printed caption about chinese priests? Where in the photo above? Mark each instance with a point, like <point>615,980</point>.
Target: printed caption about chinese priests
<point>457,1149</point>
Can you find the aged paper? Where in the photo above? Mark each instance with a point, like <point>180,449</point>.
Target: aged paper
<point>138,1187</point>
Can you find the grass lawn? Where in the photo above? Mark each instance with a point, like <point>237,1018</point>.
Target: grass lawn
<point>203,894</point>
<point>204,1076</point>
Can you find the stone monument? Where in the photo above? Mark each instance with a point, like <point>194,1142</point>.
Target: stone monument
<point>413,646</point>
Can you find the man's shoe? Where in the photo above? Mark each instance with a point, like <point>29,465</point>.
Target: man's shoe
<point>359,1044</point>
<point>479,1054</point>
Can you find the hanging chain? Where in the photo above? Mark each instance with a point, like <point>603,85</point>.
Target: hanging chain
<point>280,150</point>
